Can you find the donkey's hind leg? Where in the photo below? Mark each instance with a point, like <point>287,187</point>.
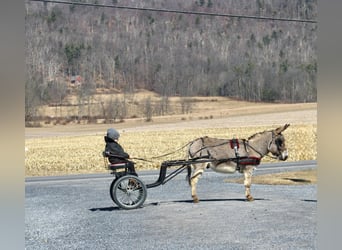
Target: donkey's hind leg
<point>193,182</point>
<point>248,182</point>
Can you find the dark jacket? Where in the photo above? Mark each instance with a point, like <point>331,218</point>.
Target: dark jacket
<point>116,152</point>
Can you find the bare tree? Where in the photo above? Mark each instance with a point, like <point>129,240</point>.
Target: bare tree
<point>173,54</point>
<point>148,109</point>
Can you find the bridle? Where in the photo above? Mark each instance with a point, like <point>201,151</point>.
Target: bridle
<point>268,147</point>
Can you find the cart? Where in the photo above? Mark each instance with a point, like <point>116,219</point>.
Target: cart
<point>128,191</point>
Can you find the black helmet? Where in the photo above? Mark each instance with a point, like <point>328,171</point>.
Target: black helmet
<point>113,134</point>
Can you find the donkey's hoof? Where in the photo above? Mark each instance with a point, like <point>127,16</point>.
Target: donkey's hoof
<point>249,198</point>
<point>195,198</point>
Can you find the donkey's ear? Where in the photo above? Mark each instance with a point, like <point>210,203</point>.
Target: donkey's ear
<point>281,129</point>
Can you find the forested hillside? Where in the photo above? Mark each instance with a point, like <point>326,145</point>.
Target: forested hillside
<point>171,53</point>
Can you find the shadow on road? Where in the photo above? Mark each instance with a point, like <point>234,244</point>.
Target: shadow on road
<point>108,209</point>
<point>202,200</point>
<point>211,200</point>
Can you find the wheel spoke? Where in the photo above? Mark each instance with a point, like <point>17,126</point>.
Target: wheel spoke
<point>129,192</point>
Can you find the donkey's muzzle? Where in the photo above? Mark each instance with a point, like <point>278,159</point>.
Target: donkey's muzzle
<point>283,156</point>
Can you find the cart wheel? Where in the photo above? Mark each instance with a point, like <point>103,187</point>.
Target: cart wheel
<point>111,188</point>
<point>117,176</point>
<point>128,192</point>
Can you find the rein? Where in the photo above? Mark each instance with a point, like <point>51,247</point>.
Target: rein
<point>261,155</point>
<point>160,156</point>
<point>173,152</point>
<point>140,159</point>
<point>232,143</point>
<point>205,147</point>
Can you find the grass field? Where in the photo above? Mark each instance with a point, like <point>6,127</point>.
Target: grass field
<point>77,149</point>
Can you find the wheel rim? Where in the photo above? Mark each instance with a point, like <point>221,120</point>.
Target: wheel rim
<point>129,192</point>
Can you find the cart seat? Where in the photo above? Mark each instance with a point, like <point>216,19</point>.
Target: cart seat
<point>116,166</point>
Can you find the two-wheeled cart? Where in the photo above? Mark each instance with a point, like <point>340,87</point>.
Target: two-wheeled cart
<point>128,191</point>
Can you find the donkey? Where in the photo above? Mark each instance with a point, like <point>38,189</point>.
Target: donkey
<point>229,156</point>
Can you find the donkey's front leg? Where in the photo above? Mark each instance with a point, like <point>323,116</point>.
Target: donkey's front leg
<point>248,182</point>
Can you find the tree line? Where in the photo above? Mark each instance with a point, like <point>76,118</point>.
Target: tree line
<point>171,54</point>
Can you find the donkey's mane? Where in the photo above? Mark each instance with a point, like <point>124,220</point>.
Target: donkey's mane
<point>258,133</point>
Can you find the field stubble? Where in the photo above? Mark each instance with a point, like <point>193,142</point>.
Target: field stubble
<point>83,154</point>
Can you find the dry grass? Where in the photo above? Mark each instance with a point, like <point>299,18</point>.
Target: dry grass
<point>82,154</point>
<point>287,178</point>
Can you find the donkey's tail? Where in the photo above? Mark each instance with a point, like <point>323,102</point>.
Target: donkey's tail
<point>188,177</point>
<point>189,156</point>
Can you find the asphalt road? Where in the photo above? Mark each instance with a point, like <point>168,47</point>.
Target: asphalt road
<point>76,212</point>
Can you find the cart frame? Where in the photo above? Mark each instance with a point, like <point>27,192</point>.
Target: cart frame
<point>128,191</point>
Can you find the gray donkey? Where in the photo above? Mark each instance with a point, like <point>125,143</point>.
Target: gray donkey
<point>231,155</point>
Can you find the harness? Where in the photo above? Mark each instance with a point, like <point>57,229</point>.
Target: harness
<point>235,145</point>
<point>242,160</point>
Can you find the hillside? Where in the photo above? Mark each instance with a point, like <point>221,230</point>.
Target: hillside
<point>80,50</point>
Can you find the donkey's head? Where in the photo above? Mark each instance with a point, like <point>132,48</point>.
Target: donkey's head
<point>277,145</point>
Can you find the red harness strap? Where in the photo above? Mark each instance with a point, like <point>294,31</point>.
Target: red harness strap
<point>249,160</point>
<point>234,143</point>
<point>242,160</point>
